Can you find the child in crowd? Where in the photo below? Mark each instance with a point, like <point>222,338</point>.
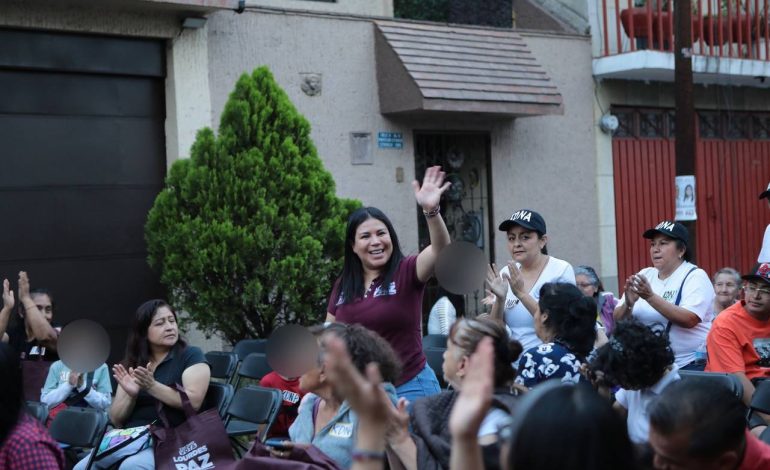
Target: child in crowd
<point>639,359</point>
<point>63,388</point>
<point>292,395</point>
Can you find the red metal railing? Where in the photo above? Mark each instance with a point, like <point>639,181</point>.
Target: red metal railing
<point>720,28</point>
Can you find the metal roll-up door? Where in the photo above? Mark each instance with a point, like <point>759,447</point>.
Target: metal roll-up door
<point>82,159</point>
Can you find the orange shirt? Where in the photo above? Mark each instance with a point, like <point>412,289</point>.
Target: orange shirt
<point>739,342</point>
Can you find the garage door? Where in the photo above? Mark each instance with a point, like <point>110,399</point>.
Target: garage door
<point>732,167</point>
<point>82,157</point>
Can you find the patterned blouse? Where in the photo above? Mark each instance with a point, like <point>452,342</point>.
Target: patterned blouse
<point>548,361</point>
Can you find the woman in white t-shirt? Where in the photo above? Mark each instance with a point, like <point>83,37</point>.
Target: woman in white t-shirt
<point>673,293</point>
<point>517,287</point>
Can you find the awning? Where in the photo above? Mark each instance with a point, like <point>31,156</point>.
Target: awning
<point>431,68</point>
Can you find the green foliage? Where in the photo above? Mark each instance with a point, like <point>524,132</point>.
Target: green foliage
<point>425,10</point>
<point>248,233</point>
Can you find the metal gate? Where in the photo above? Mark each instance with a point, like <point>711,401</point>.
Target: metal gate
<point>83,157</point>
<point>732,168</point>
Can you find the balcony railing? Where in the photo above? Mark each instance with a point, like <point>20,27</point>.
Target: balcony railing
<point>720,28</point>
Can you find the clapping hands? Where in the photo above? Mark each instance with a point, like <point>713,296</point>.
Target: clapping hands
<point>134,380</point>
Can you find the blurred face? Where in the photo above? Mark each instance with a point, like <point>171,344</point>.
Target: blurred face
<point>757,297</point>
<point>585,285</point>
<point>524,245</point>
<point>314,378</point>
<point>163,331</point>
<point>671,454</point>
<point>726,289</point>
<point>453,366</point>
<point>372,244</point>
<point>664,253</point>
<point>44,305</point>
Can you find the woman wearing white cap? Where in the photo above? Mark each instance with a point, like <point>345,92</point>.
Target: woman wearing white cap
<point>516,289</point>
<point>673,293</point>
<point>764,254</point>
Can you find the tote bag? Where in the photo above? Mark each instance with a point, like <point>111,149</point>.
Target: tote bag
<point>200,442</point>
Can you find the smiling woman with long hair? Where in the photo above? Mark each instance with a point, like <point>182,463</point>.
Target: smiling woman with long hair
<point>382,289</point>
<point>156,359</point>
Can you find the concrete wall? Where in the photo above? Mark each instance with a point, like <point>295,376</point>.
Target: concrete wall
<point>532,158</point>
<point>352,7</point>
<point>549,162</point>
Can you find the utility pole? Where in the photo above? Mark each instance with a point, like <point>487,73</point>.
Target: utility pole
<point>685,106</point>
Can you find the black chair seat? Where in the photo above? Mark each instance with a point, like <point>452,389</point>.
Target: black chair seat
<point>717,379</point>
<point>245,347</point>
<point>222,364</point>
<point>218,396</point>
<point>254,367</point>
<point>237,427</point>
<point>253,405</point>
<point>78,427</point>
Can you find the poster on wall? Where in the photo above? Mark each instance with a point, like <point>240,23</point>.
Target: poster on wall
<point>685,198</point>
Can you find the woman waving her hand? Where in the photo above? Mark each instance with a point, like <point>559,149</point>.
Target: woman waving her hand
<point>382,289</point>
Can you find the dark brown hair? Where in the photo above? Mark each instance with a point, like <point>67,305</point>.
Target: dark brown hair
<point>138,347</point>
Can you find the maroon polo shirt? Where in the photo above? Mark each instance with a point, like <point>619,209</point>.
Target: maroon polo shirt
<point>394,313</point>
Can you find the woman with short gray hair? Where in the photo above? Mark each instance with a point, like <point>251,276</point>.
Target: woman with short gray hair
<point>591,286</point>
<point>727,287</point>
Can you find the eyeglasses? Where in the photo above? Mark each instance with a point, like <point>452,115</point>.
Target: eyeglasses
<point>751,290</point>
<point>584,285</point>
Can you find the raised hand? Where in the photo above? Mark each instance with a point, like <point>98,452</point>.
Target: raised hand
<point>8,300</point>
<point>125,380</point>
<point>398,424</point>
<point>475,397</point>
<point>74,378</point>
<point>24,287</point>
<point>144,376</point>
<point>642,287</point>
<point>515,278</point>
<point>428,195</point>
<point>497,285</point>
<point>630,293</point>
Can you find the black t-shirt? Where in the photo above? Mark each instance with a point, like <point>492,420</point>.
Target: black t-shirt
<point>17,338</point>
<point>168,372</point>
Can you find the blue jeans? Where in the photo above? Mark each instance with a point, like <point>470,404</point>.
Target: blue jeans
<point>424,384</point>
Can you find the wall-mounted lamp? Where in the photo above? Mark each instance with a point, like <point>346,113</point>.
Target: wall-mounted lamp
<point>609,123</point>
<point>193,22</point>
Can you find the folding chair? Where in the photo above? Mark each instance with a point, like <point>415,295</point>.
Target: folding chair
<point>251,407</point>
<point>79,428</point>
<point>222,364</point>
<point>254,367</point>
<point>434,341</point>
<point>37,410</point>
<point>715,379</point>
<point>245,347</point>
<point>218,396</point>
<point>435,357</point>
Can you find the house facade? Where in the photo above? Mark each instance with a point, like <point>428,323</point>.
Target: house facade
<point>510,115</point>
